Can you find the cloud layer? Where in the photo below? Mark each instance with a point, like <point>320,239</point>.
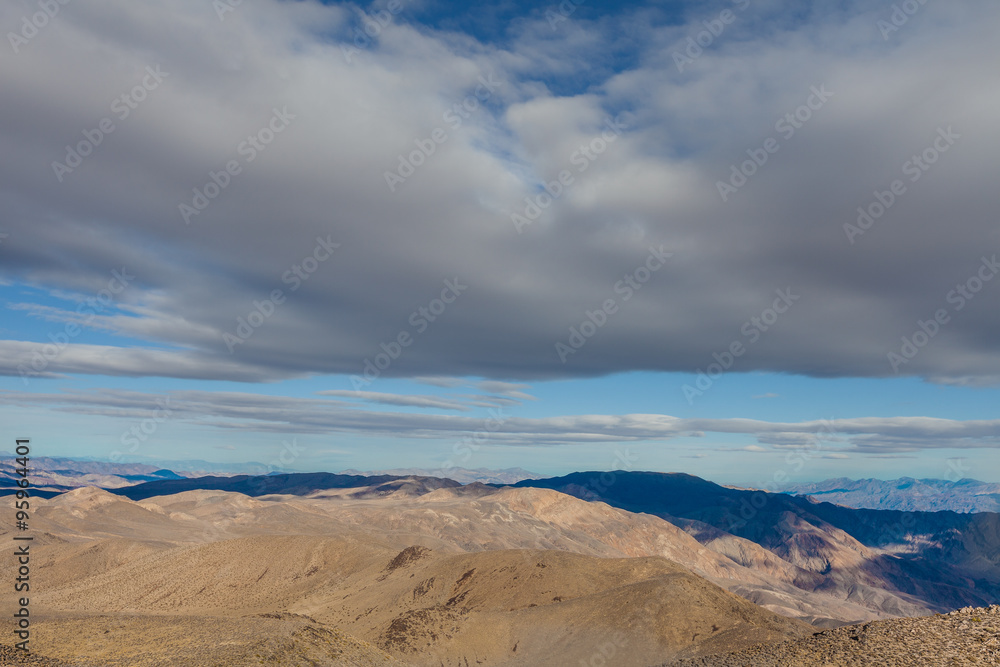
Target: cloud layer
<point>305,211</point>
<point>287,415</point>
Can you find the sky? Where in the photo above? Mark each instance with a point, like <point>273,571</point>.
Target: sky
<point>751,240</point>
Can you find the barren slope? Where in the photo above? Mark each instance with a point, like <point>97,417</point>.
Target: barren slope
<point>442,607</point>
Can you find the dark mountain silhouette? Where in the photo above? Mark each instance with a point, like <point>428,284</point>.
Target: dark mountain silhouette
<point>297,484</point>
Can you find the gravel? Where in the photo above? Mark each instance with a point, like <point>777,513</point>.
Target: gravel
<point>969,636</point>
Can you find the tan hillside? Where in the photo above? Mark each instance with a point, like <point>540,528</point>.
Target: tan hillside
<point>215,559</point>
<point>492,607</point>
<point>459,519</point>
<point>432,575</point>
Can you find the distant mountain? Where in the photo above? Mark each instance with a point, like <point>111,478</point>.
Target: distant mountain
<point>296,484</point>
<point>943,559</point>
<point>906,493</point>
<point>463,475</point>
<point>50,476</point>
<point>199,468</point>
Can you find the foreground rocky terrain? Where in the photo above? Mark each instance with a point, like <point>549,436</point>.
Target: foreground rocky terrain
<point>146,640</point>
<point>970,636</point>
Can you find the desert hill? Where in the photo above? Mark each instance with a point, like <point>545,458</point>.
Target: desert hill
<point>349,573</point>
<point>428,607</point>
<point>477,517</point>
<point>446,516</point>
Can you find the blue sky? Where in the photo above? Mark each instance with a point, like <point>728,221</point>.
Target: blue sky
<point>544,223</point>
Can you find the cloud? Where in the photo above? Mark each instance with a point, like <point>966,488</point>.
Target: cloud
<point>510,389</point>
<point>287,415</point>
<point>324,176</point>
<point>767,396</point>
<point>416,401</point>
<point>448,382</point>
<point>30,360</point>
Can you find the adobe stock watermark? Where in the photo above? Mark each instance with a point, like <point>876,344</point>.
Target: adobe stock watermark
<point>595,487</point>
<point>453,117</point>
<point>796,458</point>
<point>144,430</point>
<point>248,149</point>
<point>899,17</point>
<point>697,43</point>
<point>122,107</point>
<point>88,310</point>
<point>288,453</point>
<point>420,320</point>
<point>463,450</point>
<point>919,164</point>
<point>295,277</point>
<point>223,7</point>
<point>627,287</point>
<point>30,26</point>
<point>752,330</point>
<point>606,652</point>
<point>581,158</point>
<point>958,468</point>
<point>787,126</point>
<point>372,27</point>
<point>958,298</point>
<point>561,12</point>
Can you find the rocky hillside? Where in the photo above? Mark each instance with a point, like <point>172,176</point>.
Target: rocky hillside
<point>969,636</point>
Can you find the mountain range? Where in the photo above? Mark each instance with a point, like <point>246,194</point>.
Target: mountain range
<point>873,563</point>
<point>940,560</point>
<point>905,493</point>
<point>632,568</point>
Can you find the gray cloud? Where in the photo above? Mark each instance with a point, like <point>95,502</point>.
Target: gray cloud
<point>323,177</point>
<point>280,414</point>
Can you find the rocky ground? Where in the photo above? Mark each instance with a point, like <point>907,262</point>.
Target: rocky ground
<point>127,640</point>
<point>969,636</point>
<point>12,656</point>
